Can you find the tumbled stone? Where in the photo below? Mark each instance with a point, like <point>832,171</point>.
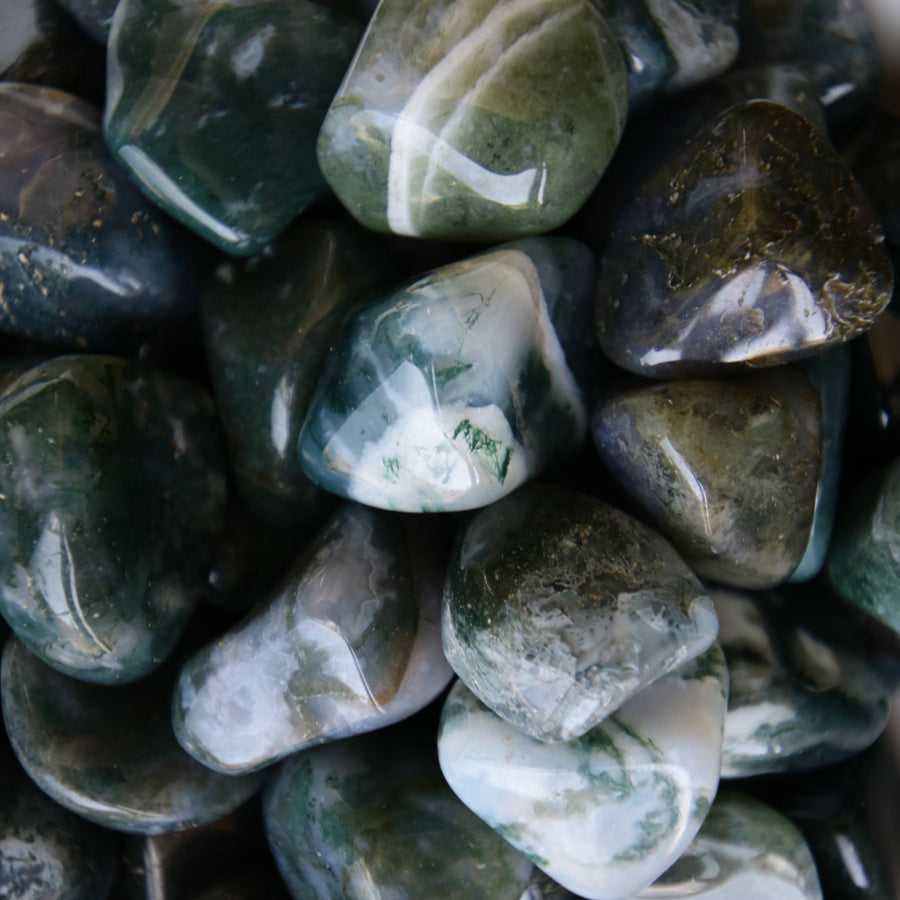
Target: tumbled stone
<point>85,260</point>
<point>830,38</point>
<point>800,697</point>
<point>864,559</point>
<point>727,469</point>
<point>46,852</point>
<point>671,45</point>
<point>607,813</point>
<point>107,753</point>
<point>215,109</point>
<point>752,245</point>
<point>452,391</point>
<point>372,819</point>
<point>743,849</point>
<point>479,121</point>
<point>112,492</point>
<point>349,643</point>
<point>559,608</point>
<point>267,327</point>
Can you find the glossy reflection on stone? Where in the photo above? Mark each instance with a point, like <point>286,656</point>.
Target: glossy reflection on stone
<point>728,469</point>
<point>752,244</point>
<point>349,643</point>
<point>112,493</point>
<point>85,260</point>
<point>479,121</point>
<point>215,109</point>
<point>608,813</point>
<point>107,753</point>
<point>267,328</point>
<point>452,391</point>
<point>800,697</point>
<point>371,818</point>
<point>559,608</point>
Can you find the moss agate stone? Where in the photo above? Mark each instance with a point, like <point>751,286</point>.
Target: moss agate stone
<point>112,492</point>
<point>107,753</point>
<point>671,45</point>
<point>559,608</point>
<point>605,814</point>
<point>800,697</point>
<point>85,261</point>
<point>478,121</point>
<point>864,560</point>
<point>215,108</point>
<point>449,393</point>
<point>372,819</point>
<point>350,643</point>
<point>752,245</point>
<point>744,849</point>
<point>729,470</point>
<point>267,326</point>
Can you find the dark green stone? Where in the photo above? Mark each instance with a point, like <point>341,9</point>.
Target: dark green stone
<point>85,261</point>
<point>752,245</point>
<point>864,560</point>
<point>729,470</point>
<point>372,819</point>
<point>215,109</point>
<point>112,493</point>
<point>108,753</point>
<point>46,852</point>
<point>267,326</point>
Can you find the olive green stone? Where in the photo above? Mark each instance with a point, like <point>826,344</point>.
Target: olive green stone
<point>729,470</point>
<point>752,244</point>
<point>112,494</point>
<point>483,120</point>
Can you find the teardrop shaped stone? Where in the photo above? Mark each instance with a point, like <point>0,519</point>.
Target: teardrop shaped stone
<point>479,121</point>
<point>752,244</point>
<point>558,609</point>
<point>112,495</point>
<point>607,813</point>
<point>728,469</point>
<point>107,753</point>
<point>349,643</point>
<point>452,391</point>
<point>371,818</point>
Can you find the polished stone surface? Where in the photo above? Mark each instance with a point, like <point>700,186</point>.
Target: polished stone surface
<point>371,818</point>
<point>671,45</point>
<point>727,469</point>
<point>349,643</point>
<point>450,392</point>
<point>752,244</point>
<point>801,697</point>
<point>267,326</point>
<point>608,813</point>
<point>112,494</point>
<point>479,121</point>
<point>558,609</point>
<point>46,852</point>
<point>215,109</point>
<point>85,261</point>
<point>107,753</point>
<point>864,559</point>
<point>745,849</point>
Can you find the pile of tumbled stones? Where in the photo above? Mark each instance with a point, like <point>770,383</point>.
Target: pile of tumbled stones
<point>450,457</point>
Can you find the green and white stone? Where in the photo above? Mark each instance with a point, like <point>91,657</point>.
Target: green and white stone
<point>608,813</point>
<point>559,608</point>
<point>744,850</point>
<point>799,698</point>
<point>483,120</point>
<point>350,643</point>
<point>449,393</point>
